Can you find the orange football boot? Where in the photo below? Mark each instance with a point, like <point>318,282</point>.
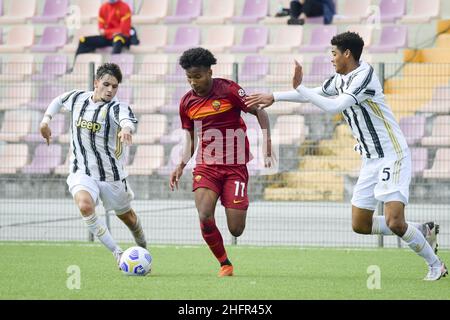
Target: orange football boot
<point>226,271</point>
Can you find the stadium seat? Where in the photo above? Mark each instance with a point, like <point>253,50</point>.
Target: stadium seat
<point>365,31</point>
<point>13,157</point>
<point>45,159</point>
<point>152,12</point>
<point>19,12</point>
<point>185,37</point>
<point>440,134</point>
<point>353,11</point>
<point>19,39</point>
<point>153,38</point>
<point>57,125</point>
<point>174,136</point>
<point>252,12</point>
<point>392,38</point>
<point>53,38</point>
<point>254,68</point>
<point>422,11</point>
<point>320,40</point>
<point>80,72</point>
<point>253,39</point>
<point>419,159</point>
<point>320,70</point>
<point>176,153</point>
<point>45,94</point>
<point>63,169</point>
<point>125,94</point>
<point>219,38</point>
<point>126,63</point>
<point>84,31</point>
<point>53,66</point>
<point>146,159</point>
<point>224,66</point>
<point>16,95</point>
<point>441,165</point>
<point>217,12</point>
<point>149,99</point>
<point>18,67</point>
<point>440,103</point>
<point>53,11</point>
<point>151,128</point>
<point>177,75</point>
<point>185,11</point>
<point>281,69</point>
<point>152,68</point>
<point>89,10</point>
<point>286,39</point>
<point>290,129</point>
<point>413,128</point>
<point>173,107</point>
<point>391,10</point>
<point>16,125</point>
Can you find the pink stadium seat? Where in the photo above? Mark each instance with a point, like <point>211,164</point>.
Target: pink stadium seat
<point>353,11</point>
<point>16,125</point>
<point>153,38</point>
<point>53,66</point>
<point>149,99</point>
<point>185,37</point>
<point>80,70</point>
<point>125,62</point>
<point>440,103</point>
<point>441,165</point>
<point>19,39</point>
<point>218,12</point>
<point>219,38</point>
<point>176,153</point>
<point>45,94</point>
<point>84,31</point>
<point>280,67</point>
<point>178,75</point>
<point>13,157</point>
<point>146,159</point>
<point>285,40</point>
<point>16,95</point>
<point>18,67</point>
<point>88,10</point>
<point>152,12</point>
<point>392,38</point>
<point>53,11</point>
<point>45,159</point>
<point>19,12</point>
<point>440,134</point>
<point>253,11</point>
<point>125,94</point>
<point>391,10</point>
<point>224,66</point>
<point>321,69</point>
<point>185,11</point>
<point>151,128</point>
<point>63,169</point>
<point>413,128</point>
<point>53,38</point>
<point>255,67</point>
<point>253,39</point>
<point>291,129</point>
<point>422,11</point>
<point>174,106</point>
<point>419,157</point>
<point>320,39</point>
<point>57,125</point>
<point>152,68</point>
<point>364,30</point>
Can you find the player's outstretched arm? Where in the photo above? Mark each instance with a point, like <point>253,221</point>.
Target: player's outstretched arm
<point>52,109</point>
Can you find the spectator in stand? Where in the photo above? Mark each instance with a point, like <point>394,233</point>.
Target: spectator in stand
<point>300,9</point>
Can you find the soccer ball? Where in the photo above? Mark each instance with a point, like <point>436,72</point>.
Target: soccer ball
<point>136,261</point>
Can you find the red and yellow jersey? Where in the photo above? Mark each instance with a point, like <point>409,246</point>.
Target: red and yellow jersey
<point>115,18</point>
<point>217,118</point>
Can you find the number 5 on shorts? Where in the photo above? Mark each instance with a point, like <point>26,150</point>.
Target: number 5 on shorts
<point>242,187</point>
<point>388,174</point>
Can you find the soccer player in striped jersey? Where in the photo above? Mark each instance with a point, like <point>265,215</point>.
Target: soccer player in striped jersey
<point>386,169</point>
<point>100,127</point>
<point>213,108</point>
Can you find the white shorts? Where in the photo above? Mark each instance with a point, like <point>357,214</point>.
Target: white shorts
<point>115,195</point>
<point>383,179</point>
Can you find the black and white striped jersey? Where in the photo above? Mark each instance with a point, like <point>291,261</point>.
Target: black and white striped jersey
<point>371,120</point>
<point>95,147</point>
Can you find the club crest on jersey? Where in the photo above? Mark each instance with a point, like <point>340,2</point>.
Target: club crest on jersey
<point>198,178</point>
<point>216,105</point>
<point>241,92</point>
<point>92,126</point>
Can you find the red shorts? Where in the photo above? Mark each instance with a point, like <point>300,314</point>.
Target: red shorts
<point>229,182</point>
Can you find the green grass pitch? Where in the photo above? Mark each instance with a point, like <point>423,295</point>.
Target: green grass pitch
<point>39,271</point>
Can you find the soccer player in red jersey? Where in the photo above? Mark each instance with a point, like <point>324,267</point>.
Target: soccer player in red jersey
<point>213,107</point>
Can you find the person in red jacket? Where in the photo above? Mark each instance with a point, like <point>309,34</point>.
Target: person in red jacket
<point>114,24</point>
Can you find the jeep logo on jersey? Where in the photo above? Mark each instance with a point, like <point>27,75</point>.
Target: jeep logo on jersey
<point>216,104</point>
<point>93,126</point>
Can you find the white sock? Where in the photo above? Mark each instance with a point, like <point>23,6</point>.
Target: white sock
<point>98,228</point>
<point>138,234</point>
<point>379,226</point>
<point>416,241</point>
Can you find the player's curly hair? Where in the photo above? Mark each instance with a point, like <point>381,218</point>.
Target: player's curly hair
<point>351,41</point>
<point>111,69</point>
<point>197,57</point>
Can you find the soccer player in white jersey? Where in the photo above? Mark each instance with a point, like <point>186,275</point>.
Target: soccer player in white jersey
<point>386,168</point>
<point>100,125</point>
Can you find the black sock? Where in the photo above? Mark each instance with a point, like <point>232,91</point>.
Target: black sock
<point>226,262</point>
